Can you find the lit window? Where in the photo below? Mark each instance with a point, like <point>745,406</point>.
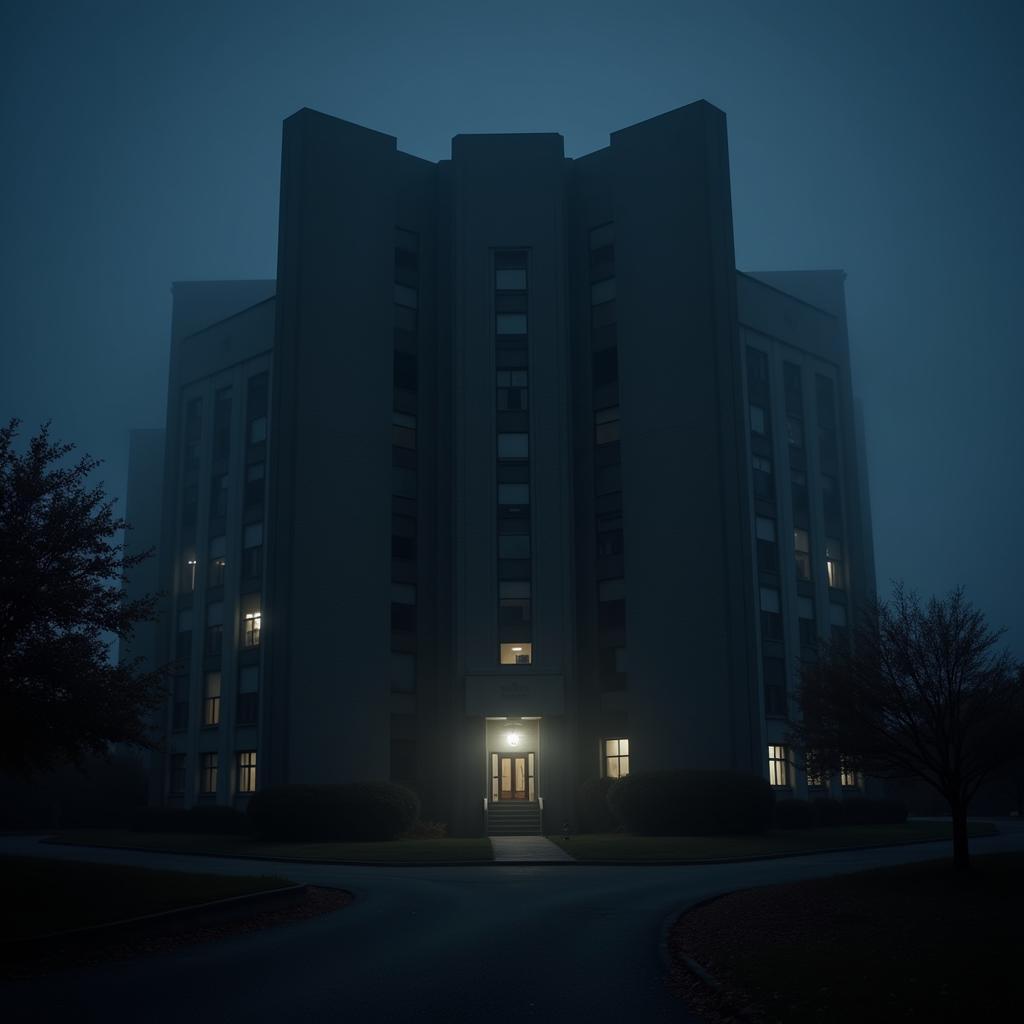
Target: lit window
<point>211,699</point>
<point>849,777</point>
<point>767,549</point>
<point>602,291</point>
<point>616,758</point>
<point>757,420</point>
<point>513,446</point>
<point>778,769</point>
<point>510,323</point>
<point>606,425</point>
<point>208,773</point>
<point>771,618</point>
<point>247,771</point>
<point>403,430</point>
<point>802,553</point>
<point>834,563</point>
<point>516,653</point>
<point>510,280</point>
<point>251,629</point>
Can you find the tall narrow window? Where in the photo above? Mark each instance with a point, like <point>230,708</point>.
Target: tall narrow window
<point>219,496</point>
<point>778,767</point>
<point>222,423</point>
<point>606,425</point>
<point>403,430</point>
<point>802,553</point>
<point>252,620</point>
<point>214,629</point>
<point>514,602</point>
<point>208,773</point>
<point>177,780</point>
<point>211,699</point>
<point>403,607</point>
<point>247,711</point>
<point>254,478</point>
<point>764,488</point>
<point>616,758</point>
<point>808,628</point>
<point>252,551</point>
<point>218,562</point>
<point>849,777</point>
<point>771,614</point>
<point>834,563</point>
<point>767,547</point>
<point>513,388</point>
<point>247,771</point>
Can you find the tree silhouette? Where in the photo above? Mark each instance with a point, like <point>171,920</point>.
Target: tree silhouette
<point>62,699</point>
<point>921,692</point>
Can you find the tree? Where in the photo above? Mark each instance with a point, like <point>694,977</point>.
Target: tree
<point>920,692</point>
<point>62,699</point>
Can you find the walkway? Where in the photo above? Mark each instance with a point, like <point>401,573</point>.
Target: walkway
<point>526,848</point>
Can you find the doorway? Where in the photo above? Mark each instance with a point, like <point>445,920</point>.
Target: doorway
<point>513,776</point>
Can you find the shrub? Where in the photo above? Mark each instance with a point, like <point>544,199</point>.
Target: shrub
<point>692,803</point>
<point>213,820</point>
<point>826,811</point>
<point>427,830</point>
<point>350,811</point>
<point>793,814</point>
<point>862,811</point>
<point>595,815</point>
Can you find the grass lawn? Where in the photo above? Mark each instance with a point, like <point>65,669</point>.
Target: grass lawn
<point>398,851</point>
<point>804,840</point>
<point>918,942</point>
<point>39,896</point>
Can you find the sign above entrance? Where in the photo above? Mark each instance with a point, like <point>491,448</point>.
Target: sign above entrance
<point>507,695</point>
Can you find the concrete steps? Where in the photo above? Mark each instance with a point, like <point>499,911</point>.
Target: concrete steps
<point>514,818</point>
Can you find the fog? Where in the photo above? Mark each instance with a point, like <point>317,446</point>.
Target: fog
<point>141,145</point>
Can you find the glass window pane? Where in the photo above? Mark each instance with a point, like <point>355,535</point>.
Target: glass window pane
<point>602,291</point>
<point>511,323</point>
<point>765,529</point>
<point>513,494</point>
<point>513,446</point>
<point>510,280</point>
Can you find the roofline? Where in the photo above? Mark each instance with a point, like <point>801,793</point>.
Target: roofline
<point>791,297</point>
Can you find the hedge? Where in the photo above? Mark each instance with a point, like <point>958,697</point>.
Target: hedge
<point>593,811</point>
<point>349,811</point>
<point>687,803</point>
<point>824,812</point>
<point>212,820</point>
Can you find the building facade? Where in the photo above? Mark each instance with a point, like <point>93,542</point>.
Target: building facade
<point>509,480</point>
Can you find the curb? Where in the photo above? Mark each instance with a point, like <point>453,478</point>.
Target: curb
<point>510,863</point>
<point>221,910</point>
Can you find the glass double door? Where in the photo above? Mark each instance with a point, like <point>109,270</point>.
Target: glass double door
<point>513,776</point>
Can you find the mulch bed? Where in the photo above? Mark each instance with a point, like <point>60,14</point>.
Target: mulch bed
<point>314,902</point>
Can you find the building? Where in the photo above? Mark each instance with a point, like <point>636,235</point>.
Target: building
<point>509,480</point>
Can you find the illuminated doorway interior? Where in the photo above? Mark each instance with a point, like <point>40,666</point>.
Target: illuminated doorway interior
<point>514,776</point>
<point>513,759</point>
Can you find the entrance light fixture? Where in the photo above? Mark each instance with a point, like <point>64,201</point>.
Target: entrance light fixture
<point>513,739</point>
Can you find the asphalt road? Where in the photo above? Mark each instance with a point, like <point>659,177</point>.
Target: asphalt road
<point>490,944</point>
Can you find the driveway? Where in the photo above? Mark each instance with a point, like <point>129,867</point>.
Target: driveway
<point>490,944</point>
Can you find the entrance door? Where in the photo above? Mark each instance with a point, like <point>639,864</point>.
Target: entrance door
<point>515,779</point>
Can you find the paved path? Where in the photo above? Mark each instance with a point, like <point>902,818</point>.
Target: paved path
<point>526,848</point>
<point>498,943</point>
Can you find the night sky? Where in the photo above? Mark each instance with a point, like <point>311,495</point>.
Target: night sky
<point>141,145</point>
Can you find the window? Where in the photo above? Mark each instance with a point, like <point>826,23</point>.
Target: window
<point>405,296</point>
<point>513,446</point>
<point>222,423</point>
<point>757,372</point>
<point>608,479</point>
<point>247,771</point>
<point>403,607</point>
<point>406,248</point>
<point>514,545</point>
<point>802,553</point>
<point>513,280</point>
<point>208,773</point>
<point>794,390</point>
<point>778,769</point>
<point>214,629</point>
<point>767,548</point>
<point>611,604</point>
<point>606,425</point>
<point>403,538</point>
<point>211,699</point>
<point>177,781</point>
<point>403,672</point>
<point>605,366</point>
<point>602,291</point>
<point>403,481</point>
<point>513,494</point>
<point>763,485</point>
<point>834,563</point>
<point>798,483</point>
<point>602,236</point>
<point>251,625</point>
<point>193,434</point>
<point>510,323</point>
<point>179,709</point>
<point>771,618</point>
<point>831,503</point>
<point>837,622</point>
<point>405,319</point>
<point>774,672</point>
<point>254,474</point>
<point>403,430</point>
<point>219,496</point>
<point>609,534</point>
<point>215,574</point>
<point>758,423</point>
<point>794,432</point>
<point>514,602</point>
<point>849,777</point>
<point>248,695</point>
<point>817,774</point>
<point>612,668</point>
<point>404,373</point>
<point>256,402</point>
<point>516,653</point>
<point>252,551</point>
<point>512,390</point>
<point>258,430</point>
<point>616,758</point>
<point>808,627</point>
<point>189,505</point>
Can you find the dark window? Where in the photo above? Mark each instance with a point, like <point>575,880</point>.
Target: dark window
<point>512,390</point>
<point>179,717</point>
<point>608,479</point>
<point>808,628</point>
<point>403,607</point>
<point>609,535</point>
<point>258,392</point>
<point>214,629</point>
<point>611,604</point>
<point>189,505</point>
<point>403,538</point>
<point>798,482</point>
<point>794,390</point>
<point>248,695</point>
<point>606,425</point>
<point>217,563</point>
<point>403,430</point>
<point>208,773</point>
<point>764,487</point>
<point>774,686</point>
<point>612,668</point>
<point>513,446</point>
<point>606,366</point>
<point>177,782</point>
<point>219,496</point>
<point>405,371</point>
<point>757,375</point>
<point>514,602</point>
<point>193,434</point>
<point>254,483</point>
<point>252,551</point>
<point>802,552</point>
<point>403,672</point>
<point>222,423</point>
<point>403,481</point>
<point>767,545</point>
<point>771,614</point>
<point>406,249</point>
<point>403,748</point>
<point>514,545</point>
<point>794,432</point>
<point>831,503</point>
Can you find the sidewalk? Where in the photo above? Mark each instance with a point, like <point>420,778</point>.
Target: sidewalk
<point>526,848</point>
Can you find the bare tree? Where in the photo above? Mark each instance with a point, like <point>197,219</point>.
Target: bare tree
<point>62,699</point>
<point>920,692</point>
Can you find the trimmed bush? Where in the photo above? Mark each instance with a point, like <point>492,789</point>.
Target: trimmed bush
<point>793,814</point>
<point>350,811</point>
<point>691,803</point>
<point>595,815</point>
<point>212,820</point>
<point>826,811</point>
